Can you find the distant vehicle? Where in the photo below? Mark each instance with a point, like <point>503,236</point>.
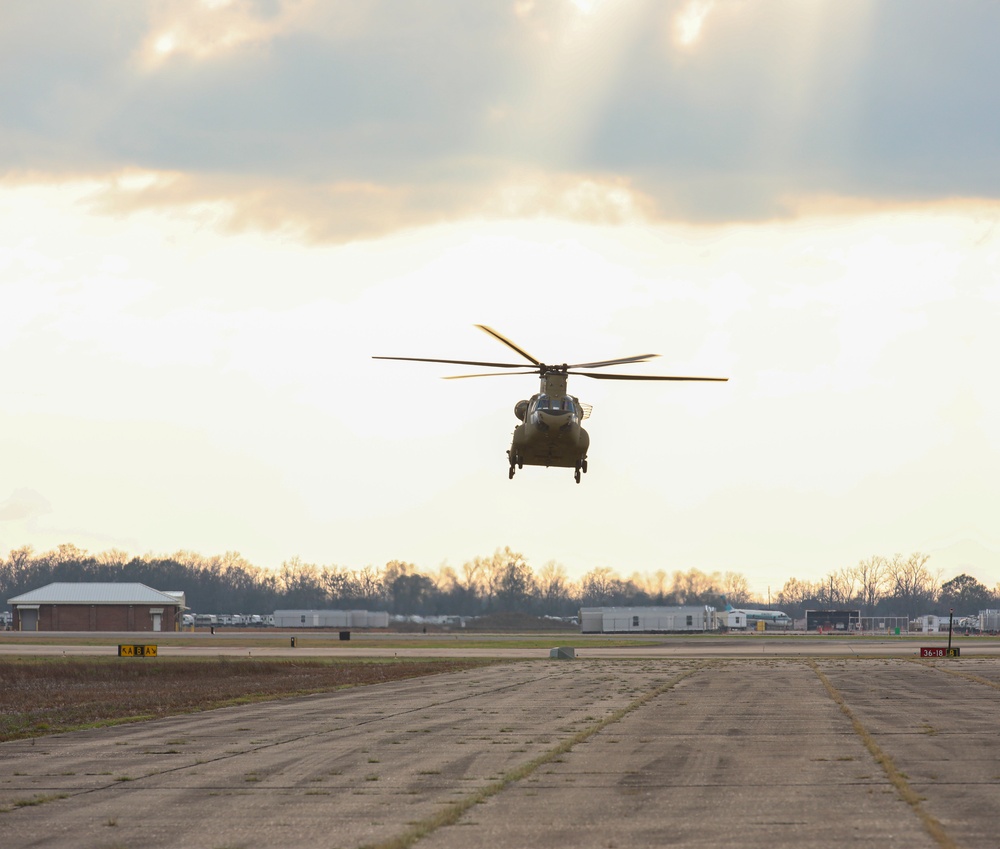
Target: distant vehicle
<point>204,619</point>
<point>187,619</point>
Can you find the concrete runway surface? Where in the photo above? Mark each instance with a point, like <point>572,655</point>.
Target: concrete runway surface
<point>739,752</point>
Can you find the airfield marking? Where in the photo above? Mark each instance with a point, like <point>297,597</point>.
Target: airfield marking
<point>896,778</point>
<point>454,812</point>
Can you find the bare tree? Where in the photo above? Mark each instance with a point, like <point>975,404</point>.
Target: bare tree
<point>515,584</point>
<point>872,576</point>
<point>842,586</point>
<point>553,586</point>
<point>694,586</point>
<point>113,558</point>
<point>300,583</point>
<point>912,583</point>
<point>20,558</point>
<point>370,584</point>
<point>338,584</point>
<point>736,588</point>
<point>652,585</point>
<point>795,592</point>
<point>600,586</point>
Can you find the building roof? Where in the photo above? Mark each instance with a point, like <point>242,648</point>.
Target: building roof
<point>61,593</point>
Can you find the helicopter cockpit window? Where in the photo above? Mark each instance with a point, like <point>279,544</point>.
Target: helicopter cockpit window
<point>554,405</point>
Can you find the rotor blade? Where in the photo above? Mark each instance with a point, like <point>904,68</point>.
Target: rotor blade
<point>604,376</point>
<point>453,362</point>
<point>487,374</point>
<point>639,358</point>
<point>508,343</point>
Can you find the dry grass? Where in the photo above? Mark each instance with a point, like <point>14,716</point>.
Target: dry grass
<point>42,696</point>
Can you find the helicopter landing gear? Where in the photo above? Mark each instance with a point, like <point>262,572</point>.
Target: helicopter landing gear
<point>514,460</point>
<point>580,467</point>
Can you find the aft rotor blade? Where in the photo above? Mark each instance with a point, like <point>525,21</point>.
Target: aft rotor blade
<point>600,375</point>
<point>500,337</point>
<point>454,362</point>
<point>487,374</point>
<point>638,358</point>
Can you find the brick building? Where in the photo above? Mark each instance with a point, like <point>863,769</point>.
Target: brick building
<point>97,607</point>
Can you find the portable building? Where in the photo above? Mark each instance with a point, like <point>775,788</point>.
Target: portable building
<point>931,624</point>
<point>734,620</point>
<point>639,620</point>
<point>330,619</point>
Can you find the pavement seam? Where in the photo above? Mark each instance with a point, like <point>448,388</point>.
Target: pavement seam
<point>453,813</point>
<point>118,785</point>
<point>896,778</point>
<point>958,673</point>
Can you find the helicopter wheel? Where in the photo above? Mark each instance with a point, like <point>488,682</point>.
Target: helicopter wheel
<point>583,466</point>
<point>511,475</point>
<point>576,475</point>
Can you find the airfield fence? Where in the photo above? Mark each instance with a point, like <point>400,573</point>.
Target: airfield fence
<point>889,625</point>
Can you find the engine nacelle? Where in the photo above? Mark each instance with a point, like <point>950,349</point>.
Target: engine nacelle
<point>521,410</point>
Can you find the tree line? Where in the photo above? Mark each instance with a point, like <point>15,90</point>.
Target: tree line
<point>499,583</point>
<point>891,586</point>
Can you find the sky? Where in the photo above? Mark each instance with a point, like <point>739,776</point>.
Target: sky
<point>213,214</point>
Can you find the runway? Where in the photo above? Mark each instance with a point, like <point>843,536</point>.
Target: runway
<point>594,752</point>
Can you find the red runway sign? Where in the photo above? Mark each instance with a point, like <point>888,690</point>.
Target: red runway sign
<point>938,651</point>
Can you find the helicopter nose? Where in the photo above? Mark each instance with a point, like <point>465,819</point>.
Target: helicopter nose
<point>553,419</point>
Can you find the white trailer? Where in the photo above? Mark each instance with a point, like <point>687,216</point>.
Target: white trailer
<point>647,620</point>
<point>331,619</point>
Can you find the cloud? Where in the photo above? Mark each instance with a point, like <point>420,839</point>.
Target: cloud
<point>338,211</point>
<point>342,121</point>
<point>23,504</point>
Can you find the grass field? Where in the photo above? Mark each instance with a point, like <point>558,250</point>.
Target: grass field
<point>47,696</point>
<point>359,643</point>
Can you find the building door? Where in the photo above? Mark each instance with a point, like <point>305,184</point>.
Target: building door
<point>29,619</point>
<point>156,621</point>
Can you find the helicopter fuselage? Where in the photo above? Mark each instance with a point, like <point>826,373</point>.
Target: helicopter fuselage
<point>550,433</point>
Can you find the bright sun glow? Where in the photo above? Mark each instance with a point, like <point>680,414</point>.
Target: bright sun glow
<point>690,20</point>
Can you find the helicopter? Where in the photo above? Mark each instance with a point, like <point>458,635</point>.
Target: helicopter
<point>550,433</point>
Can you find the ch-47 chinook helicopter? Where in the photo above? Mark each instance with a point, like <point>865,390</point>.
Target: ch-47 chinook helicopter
<point>550,433</point>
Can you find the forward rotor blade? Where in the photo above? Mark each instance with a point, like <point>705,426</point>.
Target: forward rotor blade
<point>500,337</point>
<point>600,375</point>
<point>486,374</point>
<point>454,362</point>
<point>638,358</point>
